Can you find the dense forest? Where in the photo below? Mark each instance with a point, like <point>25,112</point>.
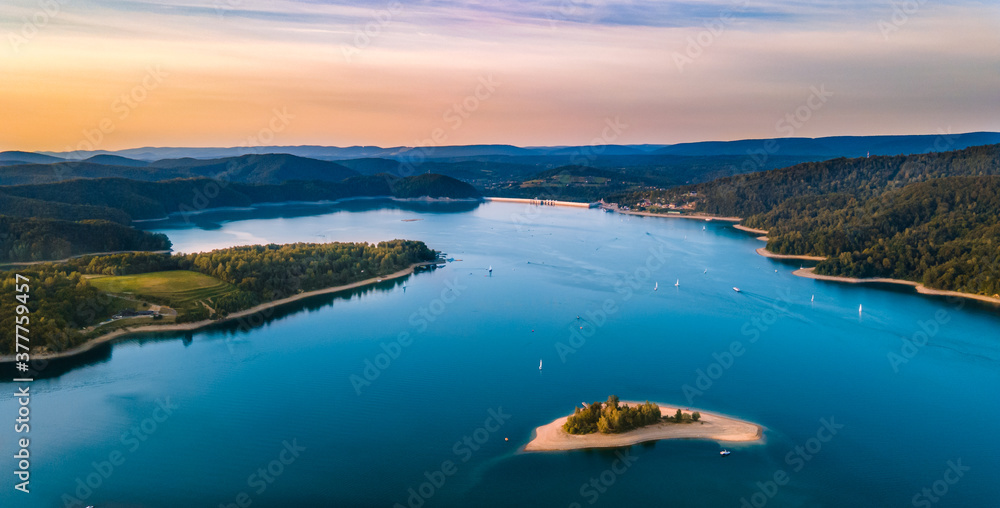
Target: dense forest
<point>62,302</point>
<point>150,200</point>
<point>930,218</point>
<point>944,233</point>
<point>611,417</point>
<point>47,239</point>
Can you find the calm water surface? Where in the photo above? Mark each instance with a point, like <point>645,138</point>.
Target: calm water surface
<point>321,404</point>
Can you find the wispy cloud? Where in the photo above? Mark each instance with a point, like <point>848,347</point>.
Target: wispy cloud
<point>565,66</point>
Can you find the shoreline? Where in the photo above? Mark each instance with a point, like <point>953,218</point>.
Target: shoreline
<point>809,273</point>
<point>696,216</point>
<point>196,325</point>
<point>322,202</point>
<point>768,254</point>
<point>711,427</point>
<point>761,232</point>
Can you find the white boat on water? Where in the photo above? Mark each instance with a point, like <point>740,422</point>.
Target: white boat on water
<point>725,452</point>
<point>656,285</point>
<point>677,284</point>
<point>539,365</point>
<point>859,309</point>
<point>736,289</point>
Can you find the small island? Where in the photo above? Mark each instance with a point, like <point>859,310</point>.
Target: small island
<point>614,424</point>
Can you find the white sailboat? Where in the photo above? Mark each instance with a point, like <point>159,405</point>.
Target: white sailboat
<point>813,299</point>
<point>859,309</point>
<point>539,364</point>
<point>656,285</point>
<point>677,284</point>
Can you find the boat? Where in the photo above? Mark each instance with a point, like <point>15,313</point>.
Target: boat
<point>736,289</point>
<point>491,269</point>
<point>725,452</point>
<point>813,299</point>
<point>859,309</point>
<point>677,284</point>
<point>706,270</point>
<point>656,285</point>
<point>539,365</point>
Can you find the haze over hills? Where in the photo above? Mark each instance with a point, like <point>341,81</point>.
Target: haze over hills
<point>829,147</point>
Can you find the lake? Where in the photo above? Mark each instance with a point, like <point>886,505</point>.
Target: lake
<point>422,395</point>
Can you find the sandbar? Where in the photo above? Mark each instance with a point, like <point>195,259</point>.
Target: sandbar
<point>768,254</point>
<point>712,427</point>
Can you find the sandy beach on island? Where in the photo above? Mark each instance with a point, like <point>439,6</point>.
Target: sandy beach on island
<point>712,426</point>
<point>112,336</point>
<point>809,273</point>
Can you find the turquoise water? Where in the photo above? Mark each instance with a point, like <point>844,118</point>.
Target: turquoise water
<point>445,412</point>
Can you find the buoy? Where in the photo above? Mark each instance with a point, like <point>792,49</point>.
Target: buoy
<point>504,439</point>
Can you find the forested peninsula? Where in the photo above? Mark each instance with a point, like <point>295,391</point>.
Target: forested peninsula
<point>72,302</point>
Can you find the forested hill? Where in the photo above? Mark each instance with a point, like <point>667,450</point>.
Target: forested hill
<point>109,198</point>
<point>92,215</point>
<point>944,233</point>
<point>47,239</point>
<point>272,168</point>
<point>749,194</point>
<point>930,218</point>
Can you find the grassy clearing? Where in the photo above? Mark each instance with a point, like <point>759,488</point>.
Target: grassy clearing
<point>185,291</point>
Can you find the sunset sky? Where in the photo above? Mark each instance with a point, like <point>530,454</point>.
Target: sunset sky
<point>549,72</point>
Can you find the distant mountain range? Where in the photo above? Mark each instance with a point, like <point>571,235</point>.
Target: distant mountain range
<point>828,147</point>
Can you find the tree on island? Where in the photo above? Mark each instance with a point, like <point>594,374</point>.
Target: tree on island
<point>611,417</point>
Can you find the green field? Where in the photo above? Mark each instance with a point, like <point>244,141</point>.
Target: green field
<point>182,290</point>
